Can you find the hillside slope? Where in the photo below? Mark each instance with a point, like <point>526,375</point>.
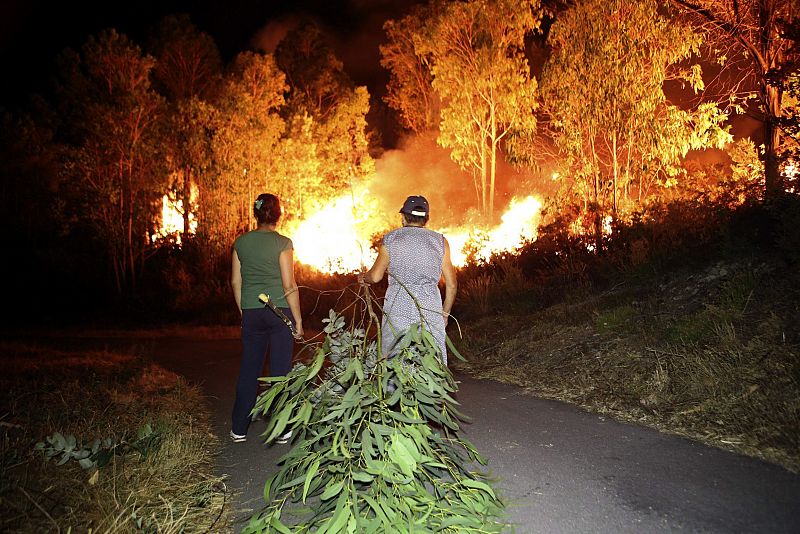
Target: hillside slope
<point>711,353</point>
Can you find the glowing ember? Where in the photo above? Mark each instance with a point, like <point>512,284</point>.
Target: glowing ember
<point>172,218</point>
<point>337,237</point>
<point>791,170</point>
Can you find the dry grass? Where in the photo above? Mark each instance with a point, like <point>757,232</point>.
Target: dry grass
<point>167,486</point>
<point>703,356</point>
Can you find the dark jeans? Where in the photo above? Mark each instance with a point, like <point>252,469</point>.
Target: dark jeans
<point>261,330</point>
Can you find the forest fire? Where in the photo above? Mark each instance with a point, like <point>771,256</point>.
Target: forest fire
<point>172,218</point>
<point>338,237</point>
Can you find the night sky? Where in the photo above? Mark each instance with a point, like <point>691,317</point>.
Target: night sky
<point>32,32</point>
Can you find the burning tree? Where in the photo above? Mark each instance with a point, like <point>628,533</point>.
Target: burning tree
<point>325,105</point>
<point>246,128</point>
<point>475,51</point>
<point>754,41</point>
<point>188,72</point>
<point>603,90</point>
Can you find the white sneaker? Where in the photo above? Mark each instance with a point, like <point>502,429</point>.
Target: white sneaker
<point>284,438</point>
<point>237,438</point>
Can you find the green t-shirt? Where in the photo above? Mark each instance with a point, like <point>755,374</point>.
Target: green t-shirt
<point>258,253</point>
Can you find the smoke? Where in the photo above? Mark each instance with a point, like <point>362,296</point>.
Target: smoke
<point>267,38</point>
<point>421,167</point>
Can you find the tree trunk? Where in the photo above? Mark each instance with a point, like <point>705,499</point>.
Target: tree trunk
<point>598,222</point>
<point>186,194</point>
<point>772,96</point>
<point>493,167</point>
<point>772,141</point>
<point>129,241</point>
<point>484,170</point>
<point>616,174</point>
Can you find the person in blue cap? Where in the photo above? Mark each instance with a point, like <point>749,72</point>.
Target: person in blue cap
<point>416,259</point>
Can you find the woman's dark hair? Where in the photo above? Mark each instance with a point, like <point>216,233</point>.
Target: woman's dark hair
<point>267,209</point>
<point>420,220</point>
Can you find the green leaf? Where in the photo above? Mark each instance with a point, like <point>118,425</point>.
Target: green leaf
<point>316,366</point>
<point>477,484</point>
<point>458,520</point>
<point>391,401</point>
<point>86,463</point>
<point>58,441</point>
<point>303,414</point>
<point>278,525</point>
<point>362,476</point>
<point>267,486</point>
<point>422,397</point>
<point>340,516</point>
<point>283,418</point>
<point>144,431</point>
<point>265,400</point>
<point>345,377</point>
<point>292,483</point>
<point>374,467</point>
<point>453,350</point>
<point>402,456</point>
<point>333,488</point>
<point>312,472</point>
<point>405,419</point>
<point>359,370</point>
<point>344,448</point>
<point>377,508</point>
<point>367,443</point>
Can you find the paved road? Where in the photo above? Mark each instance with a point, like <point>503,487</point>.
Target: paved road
<point>560,468</point>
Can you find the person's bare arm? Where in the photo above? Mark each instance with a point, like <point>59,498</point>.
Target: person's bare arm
<point>378,269</point>
<point>450,282</point>
<point>286,262</point>
<point>236,280</point>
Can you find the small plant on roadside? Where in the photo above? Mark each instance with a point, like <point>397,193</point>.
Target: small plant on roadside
<point>150,471</point>
<point>376,445</point>
<point>99,452</point>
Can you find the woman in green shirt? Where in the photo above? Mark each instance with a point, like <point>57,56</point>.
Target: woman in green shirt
<point>263,262</point>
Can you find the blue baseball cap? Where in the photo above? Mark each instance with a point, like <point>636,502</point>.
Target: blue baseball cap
<point>416,205</point>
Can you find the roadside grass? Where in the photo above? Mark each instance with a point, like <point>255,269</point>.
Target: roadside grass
<point>711,354</point>
<point>154,471</point>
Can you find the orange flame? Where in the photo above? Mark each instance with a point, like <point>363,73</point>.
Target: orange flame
<point>518,225</point>
<point>337,237</point>
<point>172,217</point>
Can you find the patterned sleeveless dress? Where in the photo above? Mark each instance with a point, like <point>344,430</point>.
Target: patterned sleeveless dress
<point>415,267</point>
